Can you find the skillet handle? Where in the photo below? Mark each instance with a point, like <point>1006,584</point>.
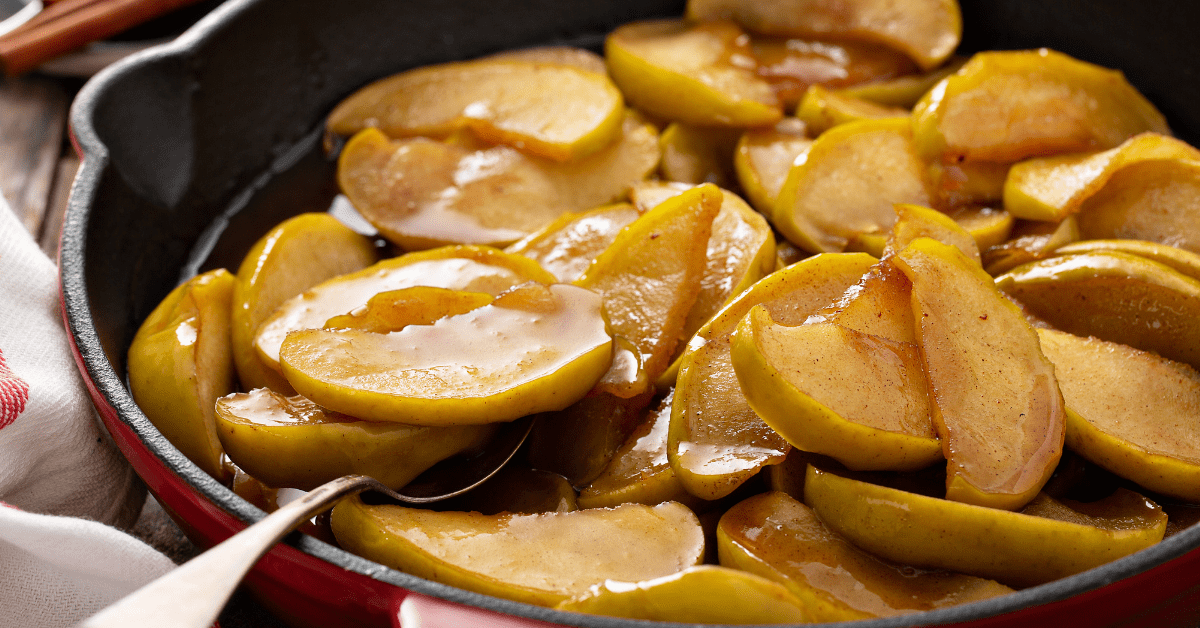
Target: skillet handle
<point>422,611</point>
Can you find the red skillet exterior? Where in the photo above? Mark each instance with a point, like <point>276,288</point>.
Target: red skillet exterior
<point>168,146</point>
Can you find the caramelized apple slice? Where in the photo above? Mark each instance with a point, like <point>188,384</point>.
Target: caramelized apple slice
<point>822,109</point>
<point>466,268</point>
<point>1116,297</point>
<point>740,251</point>
<point>874,414</point>
<point>996,404</point>
<point>706,594</point>
<point>1155,201</point>
<point>293,442</point>
<point>693,154</point>
<point>579,441</point>
<point>847,183</point>
<point>581,58</point>
<point>1030,241</point>
<point>650,276</point>
<point>1047,541</point>
<point>291,258</point>
<point>180,363</point>
<point>791,65</point>
<point>904,91</point>
<point>914,221</point>
<point>538,559</point>
<point>926,30</point>
<point>1051,188</point>
<point>777,537</point>
<point>422,193</point>
<point>763,159</point>
<point>535,348</point>
<point>1185,262</point>
<point>1009,105</point>
<point>695,73</point>
<point>420,305</point>
<point>549,109</point>
<point>716,441</point>
<point>567,245</point>
<point>1130,411</point>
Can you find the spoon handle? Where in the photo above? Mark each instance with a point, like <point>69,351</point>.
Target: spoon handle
<point>192,595</point>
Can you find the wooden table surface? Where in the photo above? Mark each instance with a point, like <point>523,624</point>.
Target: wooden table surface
<point>37,166</point>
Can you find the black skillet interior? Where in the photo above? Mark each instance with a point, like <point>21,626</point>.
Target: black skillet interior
<point>184,137</point>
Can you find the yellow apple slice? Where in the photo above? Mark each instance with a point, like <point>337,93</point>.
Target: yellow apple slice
<point>1116,297</point>
<point>180,362</point>
<point>1186,262</point>
<point>549,109</point>
<point>420,305</point>
<point>1051,188</point>
<point>536,348</point>
<point>847,182</point>
<point>567,245</point>
<point>422,193</point>
<point>904,91</point>
<point>538,559</point>
<point>926,30</point>
<point>1155,201</point>
<point>873,414</point>
<point>1006,106</point>
<point>1047,541</point>
<point>996,404</point>
<point>700,74</point>
<point>716,442</point>
<point>822,109</point>
<point>779,538</point>
<point>914,221</point>
<point>650,276</point>
<point>706,594</point>
<point>983,227</point>
<point>293,442</point>
<point>988,225</point>
<point>693,154</point>
<point>740,251</point>
<point>792,64</point>
<point>294,256</point>
<point>639,471</point>
<point>1129,411</point>
<point>466,268</point>
<point>969,183</point>
<point>763,158</point>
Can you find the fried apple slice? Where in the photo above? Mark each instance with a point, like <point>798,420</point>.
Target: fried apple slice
<point>180,362</point>
<point>706,594</point>
<point>763,159</point>
<point>466,268</point>
<point>716,441</point>
<point>1116,297</point>
<point>1051,188</point>
<point>692,154</point>
<point>700,74</point>
<point>1046,541</point>
<point>567,245</point>
<point>292,257</point>
<point>1129,411</point>
<point>847,182</point>
<point>651,275</point>
<point>1155,201</point>
<point>904,91</point>
<point>292,442</point>
<point>792,64</point>
<point>926,30</point>
<point>822,109</point>
<point>421,193</point>
<point>777,537</point>
<point>549,109</point>
<point>1005,106</point>
<point>1186,262</point>
<point>996,404</point>
<point>538,559</point>
<point>535,348</point>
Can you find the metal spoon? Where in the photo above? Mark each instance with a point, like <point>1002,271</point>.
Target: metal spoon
<point>14,13</point>
<point>192,595</point>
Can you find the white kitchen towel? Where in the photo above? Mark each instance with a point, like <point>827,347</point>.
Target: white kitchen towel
<point>56,459</point>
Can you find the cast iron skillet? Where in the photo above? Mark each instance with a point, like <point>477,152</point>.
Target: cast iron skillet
<point>178,140</point>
